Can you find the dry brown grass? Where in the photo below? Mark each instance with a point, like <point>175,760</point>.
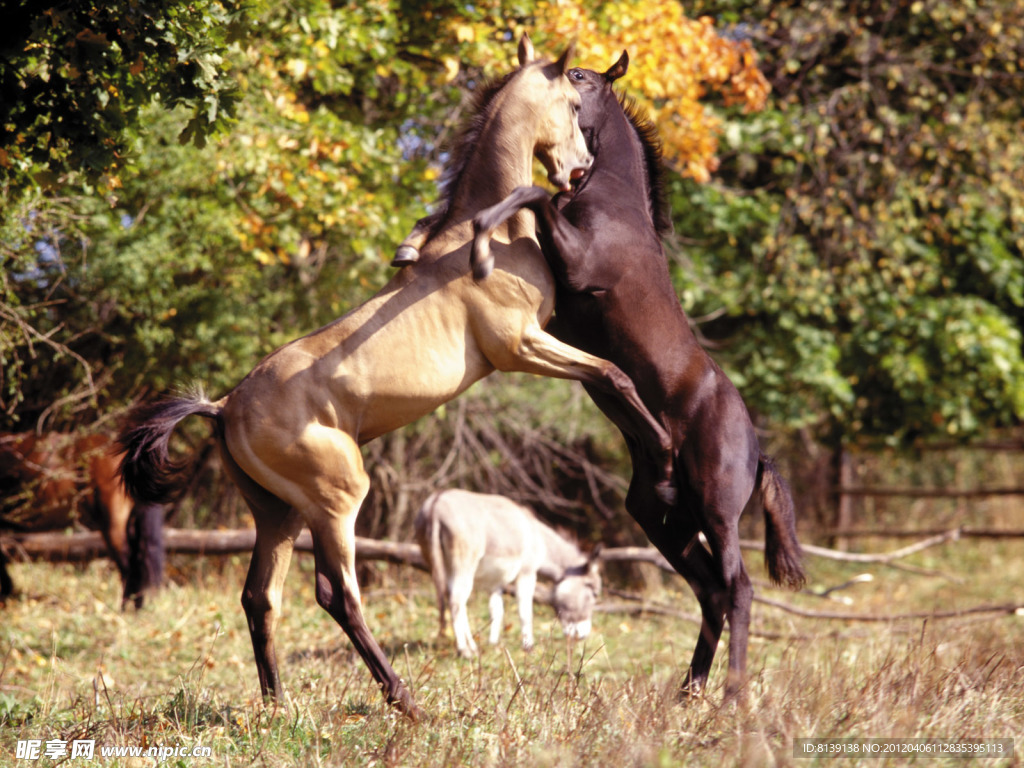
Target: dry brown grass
<point>181,673</point>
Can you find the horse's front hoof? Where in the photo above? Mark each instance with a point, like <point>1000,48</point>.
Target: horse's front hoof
<point>404,256</point>
<point>480,257</point>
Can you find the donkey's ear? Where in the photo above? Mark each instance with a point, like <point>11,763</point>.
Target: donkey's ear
<point>526,54</point>
<point>618,69</point>
<point>566,58</point>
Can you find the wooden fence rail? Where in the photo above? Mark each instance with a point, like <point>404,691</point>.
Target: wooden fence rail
<point>88,545</point>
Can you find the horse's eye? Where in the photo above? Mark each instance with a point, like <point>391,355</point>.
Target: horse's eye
<point>576,74</point>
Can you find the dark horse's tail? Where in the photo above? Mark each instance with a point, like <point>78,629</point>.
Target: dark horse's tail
<point>781,550</point>
<point>149,474</point>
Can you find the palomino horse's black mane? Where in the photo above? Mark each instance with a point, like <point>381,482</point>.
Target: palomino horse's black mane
<point>647,133</point>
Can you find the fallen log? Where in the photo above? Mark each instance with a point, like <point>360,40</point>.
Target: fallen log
<point>88,545</point>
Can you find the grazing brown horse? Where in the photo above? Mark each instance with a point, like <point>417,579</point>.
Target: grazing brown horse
<point>615,299</point>
<point>289,433</point>
<point>54,480</point>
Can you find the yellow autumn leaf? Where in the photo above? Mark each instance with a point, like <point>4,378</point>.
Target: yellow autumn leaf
<point>451,68</point>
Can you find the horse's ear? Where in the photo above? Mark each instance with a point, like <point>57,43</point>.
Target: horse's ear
<point>618,69</point>
<point>595,556</point>
<point>526,54</point>
<point>565,59</point>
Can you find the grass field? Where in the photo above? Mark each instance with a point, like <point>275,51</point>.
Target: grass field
<point>180,673</point>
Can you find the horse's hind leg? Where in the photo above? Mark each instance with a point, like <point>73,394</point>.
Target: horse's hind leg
<point>723,536</point>
<point>338,593</point>
<point>675,534</point>
<point>277,526</point>
<point>146,549</point>
<point>276,530</point>
<point>338,496</point>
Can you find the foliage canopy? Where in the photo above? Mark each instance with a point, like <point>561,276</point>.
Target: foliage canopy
<point>856,256</point>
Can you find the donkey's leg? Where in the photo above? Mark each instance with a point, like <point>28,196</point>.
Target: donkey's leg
<point>526,585</point>
<point>496,606</point>
<point>460,587</point>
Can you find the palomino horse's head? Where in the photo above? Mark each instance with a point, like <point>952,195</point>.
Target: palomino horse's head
<point>559,144</point>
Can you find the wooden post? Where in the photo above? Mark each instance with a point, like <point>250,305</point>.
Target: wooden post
<point>844,507</point>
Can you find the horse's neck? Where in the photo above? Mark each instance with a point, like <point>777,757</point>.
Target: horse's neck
<point>501,161</point>
<point>560,554</point>
<point>620,151</point>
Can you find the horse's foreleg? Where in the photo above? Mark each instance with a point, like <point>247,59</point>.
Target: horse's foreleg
<point>408,251</point>
<point>488,220</point>
<point>541,353</point>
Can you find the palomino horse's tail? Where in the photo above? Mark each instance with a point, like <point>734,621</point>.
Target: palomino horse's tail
<point>149,474</point>
<point>781,549</point>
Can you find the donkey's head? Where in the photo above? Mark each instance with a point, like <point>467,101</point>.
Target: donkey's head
<point>558,142</point>
<point>576,596</point>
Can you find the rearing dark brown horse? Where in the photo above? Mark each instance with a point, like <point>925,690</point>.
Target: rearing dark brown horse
<point>614,299</point>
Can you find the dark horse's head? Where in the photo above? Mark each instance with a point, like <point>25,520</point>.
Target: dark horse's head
<point>600,116</point>
<point>595,89</point>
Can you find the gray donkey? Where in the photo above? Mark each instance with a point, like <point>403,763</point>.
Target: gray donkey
<point>473,539</point>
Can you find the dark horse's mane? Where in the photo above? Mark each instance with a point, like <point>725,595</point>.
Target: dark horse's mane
<point>647,133</point>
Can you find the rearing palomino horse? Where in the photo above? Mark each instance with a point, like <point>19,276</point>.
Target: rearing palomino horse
<point>289,433</point>
<point>603,245</point>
